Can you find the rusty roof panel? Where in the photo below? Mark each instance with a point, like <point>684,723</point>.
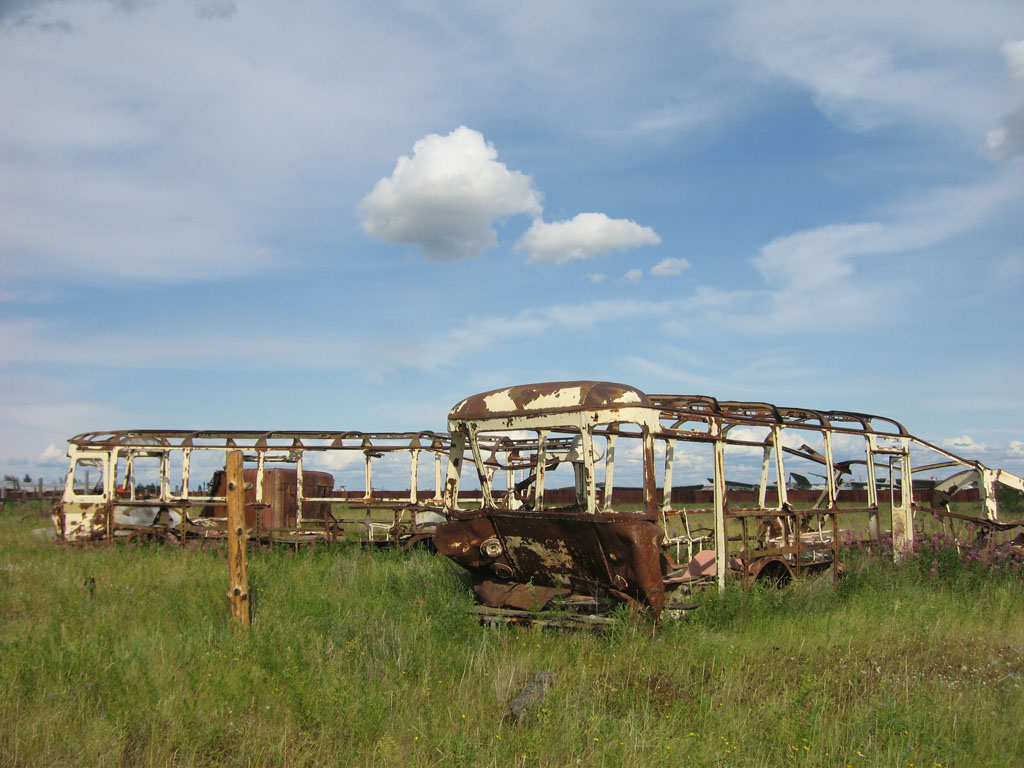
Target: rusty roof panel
<point>548,398</point>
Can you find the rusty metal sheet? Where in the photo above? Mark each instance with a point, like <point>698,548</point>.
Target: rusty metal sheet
<point>501,593</point>
<point>616,553</point>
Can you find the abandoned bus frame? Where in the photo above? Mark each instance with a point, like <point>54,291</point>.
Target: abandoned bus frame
<point>526,541</point>
<point>104,497</point>
<point>524,549</point>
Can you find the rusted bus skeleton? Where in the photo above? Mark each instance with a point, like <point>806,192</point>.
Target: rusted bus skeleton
<point>524,552</point>
<point>285,501</point>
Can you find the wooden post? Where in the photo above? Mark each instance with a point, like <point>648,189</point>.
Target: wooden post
<point>238,569</point>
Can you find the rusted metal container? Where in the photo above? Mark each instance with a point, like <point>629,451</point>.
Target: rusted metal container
<point>279,508</point>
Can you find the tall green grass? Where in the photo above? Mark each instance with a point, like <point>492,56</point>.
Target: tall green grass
<point>361,658</point>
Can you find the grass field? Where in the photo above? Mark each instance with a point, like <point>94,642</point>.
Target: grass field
<point>123,655</point>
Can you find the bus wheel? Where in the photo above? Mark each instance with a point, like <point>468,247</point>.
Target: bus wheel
<point>775,574</point>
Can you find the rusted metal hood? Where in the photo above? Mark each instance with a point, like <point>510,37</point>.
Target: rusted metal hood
<point>618,553</point>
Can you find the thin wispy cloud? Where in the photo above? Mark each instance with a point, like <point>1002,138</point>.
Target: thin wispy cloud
<point>633,276</point>
<point>670,267</point>
<point>821,273</point>
<point>874,64</point>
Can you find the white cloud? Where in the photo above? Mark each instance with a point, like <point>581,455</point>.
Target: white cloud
<point>335,460</point>
<point>806,260</point>
<point>1016,448</point>
<point>750,434</point>
<point>596,277</point>
<point>995,139</point>
<point>963,444</point>
<point>582,237</point>
<point>633,276</point>
<point>1013,52</point>
<point>445,199</point>
<point>1008,139</point>
<point>670,267</point>
<point>52,455</point>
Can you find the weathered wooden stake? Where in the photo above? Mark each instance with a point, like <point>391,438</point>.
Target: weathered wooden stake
<point>238,569</point>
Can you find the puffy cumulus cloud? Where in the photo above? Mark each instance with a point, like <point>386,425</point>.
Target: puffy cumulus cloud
<point>633,276</point>
<point>1016,448</point>
<point>668,267</point>
<point>1013,52</point>
<point>445,198</point>
<point>582,237</point>
<point>963,444</point>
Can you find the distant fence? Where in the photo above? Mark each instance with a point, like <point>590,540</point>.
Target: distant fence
<point>31,494</point>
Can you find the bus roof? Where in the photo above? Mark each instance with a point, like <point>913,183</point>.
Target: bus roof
<point>548,397</point>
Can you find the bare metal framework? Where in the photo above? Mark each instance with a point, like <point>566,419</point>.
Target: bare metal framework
<point>102,496</point>
<point>886,450</point>
<point>748,530</point>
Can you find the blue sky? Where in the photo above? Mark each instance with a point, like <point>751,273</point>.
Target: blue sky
<point>219,214</point>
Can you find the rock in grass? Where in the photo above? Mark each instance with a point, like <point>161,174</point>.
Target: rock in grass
<point>532,693</point>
